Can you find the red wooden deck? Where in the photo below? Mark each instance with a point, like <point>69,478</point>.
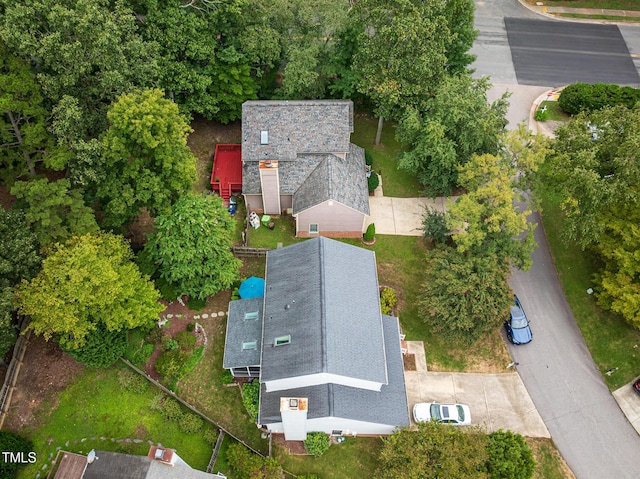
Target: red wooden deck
<point>226,175</point>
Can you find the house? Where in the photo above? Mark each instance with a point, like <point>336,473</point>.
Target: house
<point>326,358</point>
<point>160,463</point>
<point>297,157</point>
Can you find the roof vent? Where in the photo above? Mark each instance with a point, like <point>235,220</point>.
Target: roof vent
<point>287,306</point>
<point>267,164</point>
<point>293,403</point>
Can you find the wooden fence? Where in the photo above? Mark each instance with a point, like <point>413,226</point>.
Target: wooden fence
<point>11,377</point>
<point>247,252</point>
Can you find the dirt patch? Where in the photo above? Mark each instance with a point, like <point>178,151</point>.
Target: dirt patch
<point>46,370</point>
<point>409,361</point>
<point>292,447</point>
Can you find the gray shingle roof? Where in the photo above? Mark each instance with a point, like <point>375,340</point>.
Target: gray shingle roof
<point>314,126</point>
<point>342,180</point>
<point>240,330</point>
<point>389,406</point>
<point>324,294</point>
<point>291,174</point>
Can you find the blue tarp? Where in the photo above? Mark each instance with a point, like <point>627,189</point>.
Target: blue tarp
<point>252,287</point>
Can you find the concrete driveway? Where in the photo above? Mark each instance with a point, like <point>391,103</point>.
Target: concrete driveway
<point>401,216</point>
<point>629,402</point>
<point>497,401</point>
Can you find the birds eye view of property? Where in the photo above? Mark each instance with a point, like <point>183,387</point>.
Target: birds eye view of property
<point>319,239</point>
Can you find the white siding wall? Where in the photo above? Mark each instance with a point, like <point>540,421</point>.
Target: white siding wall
<point>321,378</point>
<point>347,426</point>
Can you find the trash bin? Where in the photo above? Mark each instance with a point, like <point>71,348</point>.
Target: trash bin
<point>266,219</point>
<point>233,200</point>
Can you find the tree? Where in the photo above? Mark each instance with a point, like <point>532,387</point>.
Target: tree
<point>192,246</point>
<point>54,211</point>
<point>10,441</point>
<point>401,55</point>
<point>85,283</point>
<point>87,49</point>
<point>485,220</point>
<point>510,457</point>
<point>454,124</point>
<point>247,465</point>
<point>433,451</point>
<point>464,296</point>
<point>434,225</point>
<point>24,139</point>
<point>19,250</point>
<point>8,330</point>
<point>146,161</point>
<point>460,16</point>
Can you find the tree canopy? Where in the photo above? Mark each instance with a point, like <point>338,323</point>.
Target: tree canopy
<point>192,246</point>
<point>84,283</point>
<point>145,160</point>
<point>19,250</point>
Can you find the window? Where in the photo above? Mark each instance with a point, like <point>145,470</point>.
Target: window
<point>282,340</point>
<point>251,315</point>
<point>247,345</point>
<point>264,137</point>
<point>313,229</point>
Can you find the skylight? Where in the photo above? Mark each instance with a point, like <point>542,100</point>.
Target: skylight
<point>264,137</point>
<point>247,345</point>
<point>282,340</point>
<point>251,315</point>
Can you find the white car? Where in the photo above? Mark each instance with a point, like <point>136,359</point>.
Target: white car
<point>454,414</point>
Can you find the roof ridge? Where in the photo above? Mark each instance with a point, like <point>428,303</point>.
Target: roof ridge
<point>323,298</point>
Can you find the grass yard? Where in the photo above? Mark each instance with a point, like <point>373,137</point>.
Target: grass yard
<point>613,342</point>
<point>96,407</point>
<point>549,462</point>
<point>612,18</point>
<point>607,4</point>
<point>284,232</point>
<point>395,182</point>
<point>554,112</point>
<point>356,457</point>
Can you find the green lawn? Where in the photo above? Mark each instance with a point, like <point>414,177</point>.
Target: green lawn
<point>395,182</point>
<point>96,407</point>
<point>284,232</point>
<point>600,17</point>
<point>554,112</point>
<point>613,343</point>
<point>607,4</point>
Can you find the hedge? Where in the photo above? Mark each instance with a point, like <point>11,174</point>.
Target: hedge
<point>579,97</point>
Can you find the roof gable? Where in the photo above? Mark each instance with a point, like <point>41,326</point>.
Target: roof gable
<point>294,127</point>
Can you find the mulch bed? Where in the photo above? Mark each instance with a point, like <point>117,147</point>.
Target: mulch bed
<point>293,447</point>
<point>409,361</point>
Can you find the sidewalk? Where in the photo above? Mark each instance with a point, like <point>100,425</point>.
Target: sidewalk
<point>549,10</point>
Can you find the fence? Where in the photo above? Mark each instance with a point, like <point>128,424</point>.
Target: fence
<point>247,252</point>
<point>11,378</point>
<point>189,406</point>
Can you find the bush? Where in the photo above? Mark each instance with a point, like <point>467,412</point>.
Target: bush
<point>10,441</point>
<point>102,348</point>
<point>242,462</point>
<point>191,327</point>
<point>317,443</point>
<point>154,336</point>
<point>370,233</point>
<point>210,436</point>
<point>169,344</point>
<point>226,377</point>
<point>171,409</point>
<point>169,364</point>
<point>196,304</point>
<point>185,340</point>
<point>142,354</point>
<point>388,300</point>
<point>309,476</point>
<point>156,402</point>
<point>192,361</point>
<point>132,381</point>
<point>373,181</point>
<point>190,423</point>
<point>368,158</point>
<point>251,398</point>
<point>541,115</point>
<point>166,289</point>
<point>579,97</point>
<point>510,457</point>
<point>434,225</point>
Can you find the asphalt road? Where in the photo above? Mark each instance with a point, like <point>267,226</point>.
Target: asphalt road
<point>584,420</point>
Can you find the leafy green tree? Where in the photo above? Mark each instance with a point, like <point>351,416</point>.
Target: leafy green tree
<point>101,349</point>
<point>87,49</point>
<point>8,330</point>
<point>510,457</point>
<point>433,451</point>
<point>464,296</point>
<point>401,54</point>
<point>19,250</point>
<point>192,246</point>
<point>146,160</point>
<point>247,465</point>
<point>485,220</point>
<point>24,139</point>
<point>451,126</point>
<point>54,211</point>
<point>10,441</point>
<point>460,16</point>
<point>434,225</point>
<point>88,282</point>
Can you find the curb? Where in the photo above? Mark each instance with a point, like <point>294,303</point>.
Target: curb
<point>539,127</point>
<point>538,10</point>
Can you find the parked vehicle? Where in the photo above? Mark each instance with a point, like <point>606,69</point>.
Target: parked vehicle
<point>454,414</point>
<point>517,327</point>
<point>636,386</point>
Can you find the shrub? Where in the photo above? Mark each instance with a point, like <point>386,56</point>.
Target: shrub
<point>251,398</point>
<point>169,364</point>
<point>190,423</point>
<point>156,402</point>
<point>226,377</point>
<point>13,442</point>
<point>142,354</point>
<point>171,409</point>
<point>192,361</point>
<point>388,300</point>
<point>579,97</point>
<point>132,381</point>
<point>309,476</point>
<point>210,436</point>
<point>373,181</point>
<point>102,348</point>
<point>368,158</point>
<point>154,336</point>
<point>510,457</point>
<point>434,225</point>
<point>541,115</point>
<point>317,443</point>
<point>243,462</point>
<point>185,340</point>
<point>370,233</point>
<point>169,344</point>
<point>191,327</point>
<point>196,304</point>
